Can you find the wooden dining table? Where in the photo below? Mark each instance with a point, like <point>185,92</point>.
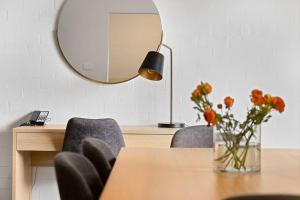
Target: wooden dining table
<point>187,174</point>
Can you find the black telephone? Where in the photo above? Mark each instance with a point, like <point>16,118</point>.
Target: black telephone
<point>37,118</point>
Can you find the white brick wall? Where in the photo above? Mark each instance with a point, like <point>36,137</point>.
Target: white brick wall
<point>236,45</point>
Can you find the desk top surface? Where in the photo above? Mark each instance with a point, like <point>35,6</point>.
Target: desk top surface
<point>48,127</point>
<point>161,174</point>
<point>132,129</point>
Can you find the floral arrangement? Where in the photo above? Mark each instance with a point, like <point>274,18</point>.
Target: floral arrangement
<point>233,131</point>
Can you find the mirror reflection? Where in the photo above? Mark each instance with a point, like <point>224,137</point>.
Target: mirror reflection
<point>107,40</point>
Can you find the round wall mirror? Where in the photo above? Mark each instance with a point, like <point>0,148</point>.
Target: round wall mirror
<point>107,40</point>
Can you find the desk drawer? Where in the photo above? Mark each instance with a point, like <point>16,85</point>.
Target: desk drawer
<point>144,141</point>
<point>54,141</point>
<point>39,141</point>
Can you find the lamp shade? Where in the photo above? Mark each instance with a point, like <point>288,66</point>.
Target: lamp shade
<point>152,66</point>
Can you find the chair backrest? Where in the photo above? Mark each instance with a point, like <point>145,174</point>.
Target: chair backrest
<point>77,178</point>
<point>100,154</point>
<point>265,197</point>
<point>107,130</point>
<point>193,137</point>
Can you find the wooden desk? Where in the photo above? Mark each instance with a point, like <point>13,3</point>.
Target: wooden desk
<point>36,146</point>
<point>171,174</point>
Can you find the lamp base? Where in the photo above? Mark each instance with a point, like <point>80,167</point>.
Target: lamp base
<point>171,125</point>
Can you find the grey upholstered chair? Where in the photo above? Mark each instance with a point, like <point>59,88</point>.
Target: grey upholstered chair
<point>265,197</point>
<point>77,178</point>
<point>100,154</point>
<point>107,130</point>
<point>193,137</point>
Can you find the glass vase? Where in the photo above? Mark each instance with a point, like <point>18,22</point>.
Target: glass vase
<point>237,152</point>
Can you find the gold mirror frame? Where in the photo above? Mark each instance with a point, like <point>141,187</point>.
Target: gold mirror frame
<point>91,79</point>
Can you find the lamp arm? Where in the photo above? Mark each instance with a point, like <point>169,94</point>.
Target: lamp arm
<point>171,80</point>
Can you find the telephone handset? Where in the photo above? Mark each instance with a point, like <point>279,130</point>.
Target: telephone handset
<point>37,118</point>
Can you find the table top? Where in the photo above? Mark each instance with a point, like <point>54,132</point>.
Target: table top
<point>171,174</point>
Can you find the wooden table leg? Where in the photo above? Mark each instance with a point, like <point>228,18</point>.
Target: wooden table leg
<point>22,183</point>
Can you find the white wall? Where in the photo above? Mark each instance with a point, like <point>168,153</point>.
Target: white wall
<point>237,45</point>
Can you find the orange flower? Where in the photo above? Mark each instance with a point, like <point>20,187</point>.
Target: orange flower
<point>278,104</point>
<point>210,116</point>
<point>256,93</point>
<point>205,88</point>
<point>268,99</point>
<point>257,97</point>
<point>196,94</point>
<point>228,101</point>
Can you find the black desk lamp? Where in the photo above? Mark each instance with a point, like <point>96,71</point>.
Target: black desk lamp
<point>152,69</point>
